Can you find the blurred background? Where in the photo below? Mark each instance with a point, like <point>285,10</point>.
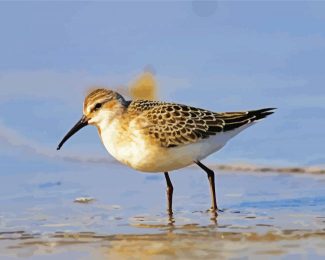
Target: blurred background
<point>222,56</point>
<point>217,55</point>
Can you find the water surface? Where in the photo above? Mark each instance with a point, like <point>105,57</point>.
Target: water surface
<point>263,214</point>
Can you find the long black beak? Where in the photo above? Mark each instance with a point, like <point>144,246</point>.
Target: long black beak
<point>80,124</point>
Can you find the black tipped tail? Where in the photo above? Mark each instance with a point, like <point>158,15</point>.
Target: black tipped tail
<point>260,113</point>
<point>235,120</point>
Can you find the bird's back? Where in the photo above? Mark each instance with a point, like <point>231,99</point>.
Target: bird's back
<point>176,124</point>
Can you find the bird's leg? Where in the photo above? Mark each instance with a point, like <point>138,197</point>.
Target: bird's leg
<point>169,192</point>
<point>210,173</point>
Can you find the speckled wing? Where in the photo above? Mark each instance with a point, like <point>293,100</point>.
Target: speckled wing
<point>174,124</point>
<point>143,105</point>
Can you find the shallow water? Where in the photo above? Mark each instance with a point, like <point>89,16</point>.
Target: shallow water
<point>263,214</point>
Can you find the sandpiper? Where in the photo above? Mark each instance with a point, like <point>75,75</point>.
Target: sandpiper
<point>159,137</point>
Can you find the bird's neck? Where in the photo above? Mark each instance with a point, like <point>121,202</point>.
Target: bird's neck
<point>111,118</point>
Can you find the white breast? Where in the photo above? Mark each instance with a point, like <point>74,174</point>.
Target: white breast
<point>122,146</point>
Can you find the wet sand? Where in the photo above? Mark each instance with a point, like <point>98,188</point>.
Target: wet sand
<point>264,215</point>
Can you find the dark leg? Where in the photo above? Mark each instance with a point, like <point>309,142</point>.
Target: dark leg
<point>212,187</point>
<point>169,191</point>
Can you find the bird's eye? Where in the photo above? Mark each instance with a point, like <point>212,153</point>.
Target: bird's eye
<point>97,106</point>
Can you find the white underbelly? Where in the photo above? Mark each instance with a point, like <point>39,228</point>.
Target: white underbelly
<point>185,155</point>
<point>142,156</point>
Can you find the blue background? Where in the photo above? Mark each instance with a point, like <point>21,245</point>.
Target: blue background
<point>223,56</point>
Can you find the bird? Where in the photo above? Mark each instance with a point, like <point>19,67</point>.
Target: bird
<point>160,137</point>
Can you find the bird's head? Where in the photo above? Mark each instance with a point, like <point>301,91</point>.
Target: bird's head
<point>100,107</point>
